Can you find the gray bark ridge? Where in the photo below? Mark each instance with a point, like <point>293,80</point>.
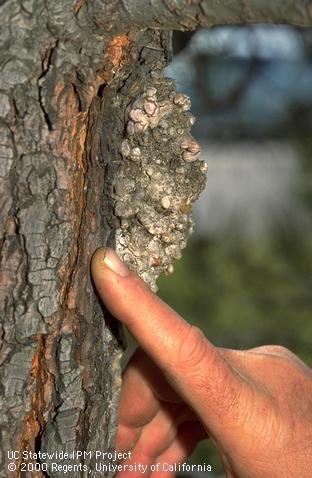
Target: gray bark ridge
<point>188,15</point>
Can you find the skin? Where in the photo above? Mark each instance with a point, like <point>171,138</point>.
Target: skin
<point>255,405</point>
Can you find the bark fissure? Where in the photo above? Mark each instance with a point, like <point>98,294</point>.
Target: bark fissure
<point>46,64</point>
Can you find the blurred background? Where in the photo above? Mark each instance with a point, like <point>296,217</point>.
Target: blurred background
<point>246,276</point>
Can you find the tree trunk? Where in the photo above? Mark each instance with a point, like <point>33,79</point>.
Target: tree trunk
<point>62,66</point>
<point>74,75</point>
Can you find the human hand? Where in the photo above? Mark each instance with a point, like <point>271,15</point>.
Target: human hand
<point>255,405</point>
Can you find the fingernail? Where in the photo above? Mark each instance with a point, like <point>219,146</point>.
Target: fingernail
<point>115,264</point>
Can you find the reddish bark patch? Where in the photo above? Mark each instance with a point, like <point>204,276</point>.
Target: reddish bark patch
<point>116,49</point>
<point>41,387</point>
<point>78,5</point>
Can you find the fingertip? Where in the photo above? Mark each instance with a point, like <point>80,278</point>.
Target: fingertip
<point>116,285</point>
<point>97,261</point>
<point>106,258</point>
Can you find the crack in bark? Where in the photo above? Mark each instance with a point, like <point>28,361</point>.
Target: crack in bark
<point>34,420</point>
<point>46,65</point>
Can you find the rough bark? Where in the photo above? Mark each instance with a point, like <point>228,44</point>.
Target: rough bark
<point>189,14</point>
<point>61,67</point>
<point>63,64</point>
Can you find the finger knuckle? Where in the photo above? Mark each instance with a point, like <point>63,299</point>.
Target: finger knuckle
<point>280,350</point>
<point>192,349</point>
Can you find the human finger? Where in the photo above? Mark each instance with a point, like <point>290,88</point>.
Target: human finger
<point>189,434</point>
<point>143,388</point>
<point>155,438</point>
<point>191,363</point>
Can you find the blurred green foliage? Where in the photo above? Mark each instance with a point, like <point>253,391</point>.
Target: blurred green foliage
<point>243,295</point>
